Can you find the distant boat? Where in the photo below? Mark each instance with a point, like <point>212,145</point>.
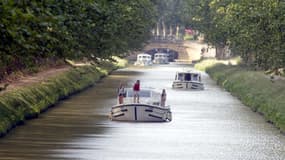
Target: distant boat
<point>161,58</point>
<point>188,80</point>
<point>148,110</point>
<point>143,60</point>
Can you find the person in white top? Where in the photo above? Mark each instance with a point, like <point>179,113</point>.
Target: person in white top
<point>121,92</point>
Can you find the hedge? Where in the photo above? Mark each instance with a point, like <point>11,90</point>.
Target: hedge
<point>25,103</point>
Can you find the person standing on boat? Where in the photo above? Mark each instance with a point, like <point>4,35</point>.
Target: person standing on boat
<point>121,92</point>
<point>136,89</point>
<point>163,98</point>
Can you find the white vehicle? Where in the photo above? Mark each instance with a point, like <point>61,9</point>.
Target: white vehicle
<point>188,80</point>
<point>161,58</point>
<point>148,110</point>
<point>143,60</point>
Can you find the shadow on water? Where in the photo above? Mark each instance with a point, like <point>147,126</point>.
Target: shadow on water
<point>125,72</point>
<point>207,125</point>
<point>77,118</point>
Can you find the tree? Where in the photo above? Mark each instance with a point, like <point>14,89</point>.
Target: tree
<point>32,31</point>
<point>252,29</point>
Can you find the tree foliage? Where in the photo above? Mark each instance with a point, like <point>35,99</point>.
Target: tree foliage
<point>253,29</point>
<point>34,30</point>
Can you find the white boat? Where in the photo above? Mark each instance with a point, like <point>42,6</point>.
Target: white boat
<point>148,110</point>
<point>143,60</point>
<point>160,58</point>
<point>188,80</point>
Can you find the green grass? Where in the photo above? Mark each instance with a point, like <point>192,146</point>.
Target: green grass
<point>206,64</point>
<point>253,88</point>
<point>188,37</point>
<point>28,102</point>
<point>120,62</point>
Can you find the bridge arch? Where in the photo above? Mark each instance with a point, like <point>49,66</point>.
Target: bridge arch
<point>176,50</point>
<point>173,55</point>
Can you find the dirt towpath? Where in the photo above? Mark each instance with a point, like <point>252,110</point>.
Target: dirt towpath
<point>30,79</point>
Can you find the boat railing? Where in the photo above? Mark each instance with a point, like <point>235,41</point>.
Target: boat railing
<point>139,104</point>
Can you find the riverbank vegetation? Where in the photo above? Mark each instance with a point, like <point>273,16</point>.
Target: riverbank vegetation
<point>255,89</point>
<point>207,63</point>
<point>28,102</point>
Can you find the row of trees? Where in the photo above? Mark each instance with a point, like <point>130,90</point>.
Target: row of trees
<point>169,21</point>
<point>31,31</point>
<point>253,29</point>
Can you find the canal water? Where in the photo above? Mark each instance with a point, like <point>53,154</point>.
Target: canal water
<point>206,125</point>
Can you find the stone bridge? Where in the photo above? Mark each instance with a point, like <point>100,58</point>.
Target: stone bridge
<point>188,51</point>
<point>177,46</point>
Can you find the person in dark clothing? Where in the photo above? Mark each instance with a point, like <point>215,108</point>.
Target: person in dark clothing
<point>163,98</point>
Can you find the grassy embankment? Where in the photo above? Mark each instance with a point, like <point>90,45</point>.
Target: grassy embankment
<point>253,88</point>
<point>28,102</point>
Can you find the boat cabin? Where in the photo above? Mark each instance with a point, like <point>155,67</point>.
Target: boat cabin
<point>143,59</point>
<point>188,80</point>
<point>188,76</point>
<point>161,58</point>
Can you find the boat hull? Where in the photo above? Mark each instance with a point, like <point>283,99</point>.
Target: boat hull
<point>160,61</point>
<point>188,85</point>
<point>140,113</point>
<point>142,63</point>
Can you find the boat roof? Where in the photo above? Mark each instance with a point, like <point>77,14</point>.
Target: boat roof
<point>143,92</point>
<point>188,72</point>
<point>143,54</point>
<point>160,54</point>
<point>148,97</point>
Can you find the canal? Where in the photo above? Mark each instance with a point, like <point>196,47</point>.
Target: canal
<point>206,125</point>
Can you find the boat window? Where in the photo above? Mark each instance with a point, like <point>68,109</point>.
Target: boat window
<point>180,77</point>
<point>187,77</point>
<point>195,77</point>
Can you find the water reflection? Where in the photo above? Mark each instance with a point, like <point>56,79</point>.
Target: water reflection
<point>206,125</point>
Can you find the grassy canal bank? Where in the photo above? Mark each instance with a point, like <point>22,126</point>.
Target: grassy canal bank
<point>25,103</point>
<point>253,88</point>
